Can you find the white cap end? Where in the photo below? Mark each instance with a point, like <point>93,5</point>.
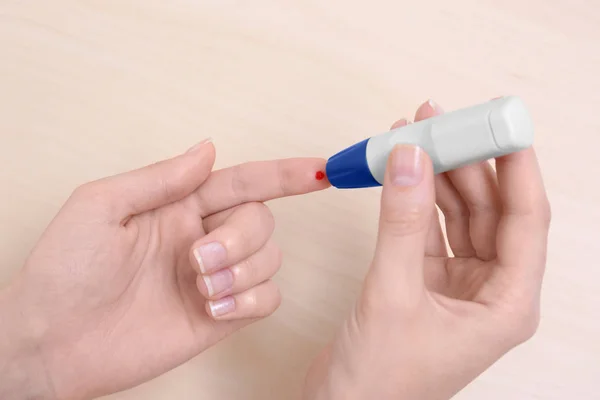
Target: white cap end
<point>511,124</point>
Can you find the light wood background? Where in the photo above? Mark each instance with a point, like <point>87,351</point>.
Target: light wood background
<point>91,88</point>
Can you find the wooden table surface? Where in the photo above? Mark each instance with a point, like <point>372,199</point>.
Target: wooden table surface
<point>91,88</point>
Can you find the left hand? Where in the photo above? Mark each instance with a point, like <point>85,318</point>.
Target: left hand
<point>115,292</point>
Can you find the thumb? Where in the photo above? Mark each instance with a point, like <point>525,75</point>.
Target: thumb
<point>407,204</point>
<point>162,183</point>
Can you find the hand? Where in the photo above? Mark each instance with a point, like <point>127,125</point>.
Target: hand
<point>426,324</point>
<point>115,291</point>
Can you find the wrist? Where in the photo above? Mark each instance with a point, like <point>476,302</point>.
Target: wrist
<point>22,371</point>
<point>361,380</point>
<point>327,381</point>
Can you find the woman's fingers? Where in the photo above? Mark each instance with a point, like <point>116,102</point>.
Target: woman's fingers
<point>259,181</point>
<point>242,276</point>
<point>477,186</point>
<point>257,302</point>
<point>449,199</point>
<point>235,262</point>
<point>456,214</point>
<point>401,122</point>
<point>436,245</point>
<point>469,198</point>
<point>449,202</point>
<point>153,186</point>
<point>213,221</point>
<point>523,230</point>
<point>242,234</point>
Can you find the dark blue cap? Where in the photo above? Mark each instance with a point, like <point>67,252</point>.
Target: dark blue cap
<point>348,169</point>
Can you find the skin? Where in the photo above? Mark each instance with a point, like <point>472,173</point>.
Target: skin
<point>425,324</point>
<point>117,273</point>
<point>112,295</point>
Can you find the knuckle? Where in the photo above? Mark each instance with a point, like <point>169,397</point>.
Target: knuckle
<point>254,269</point>
<point>536,214</point>
<point>283,176</point>
<point>405,222</point>
<point>85,191</point>
<point>239,186</point>
<point>91,192</point>
<point>96,197</point>
<point>165,188</point>
<point>248,270</point>
<point>483,208</point>
<point>455,212</point>
<point>174,186</point>
<point>538,219</point>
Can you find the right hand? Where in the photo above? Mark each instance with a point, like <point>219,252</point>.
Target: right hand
<point>426,324</point>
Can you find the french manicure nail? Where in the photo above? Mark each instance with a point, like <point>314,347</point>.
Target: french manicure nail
<point>210,256</point>
<point>199,145</point>
<point>407,165</point>
<point>218,282</point>
<point>222,306</point>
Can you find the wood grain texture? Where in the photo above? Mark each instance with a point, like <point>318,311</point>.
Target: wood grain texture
<point>91,88</point>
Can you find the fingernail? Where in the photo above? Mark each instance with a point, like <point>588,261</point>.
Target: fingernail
<point>218,282</point>
<point>435,106</point>
<point>407,165</point>
<point>210,256</point>
<point>222,306</point>
<point>199,145</point>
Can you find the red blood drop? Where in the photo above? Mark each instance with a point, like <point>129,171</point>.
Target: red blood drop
<point>320,175</point>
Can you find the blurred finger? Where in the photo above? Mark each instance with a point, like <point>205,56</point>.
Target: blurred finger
<point>257,302</point>
<point>242,276</point>
<point>243,233</point>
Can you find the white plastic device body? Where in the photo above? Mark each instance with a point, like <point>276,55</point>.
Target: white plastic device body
<point>466,136</point>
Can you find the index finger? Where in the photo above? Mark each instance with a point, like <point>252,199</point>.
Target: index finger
<point>260,181</point>
<point>524,224</point>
